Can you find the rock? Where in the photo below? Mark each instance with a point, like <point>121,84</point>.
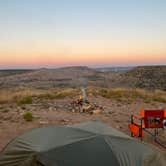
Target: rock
<point>96,111</point>
<point>65,120</point>
<point>73,110</point>
<point>14,120</point>
<point>36,116</point>
<point>50,109</point>
<point>87,108</point>
<point>108,111</point>
<point>7,118</point>
<point>43,122</point>
<point>118,105</point>
<point>118,127</point>
<point>22,112</point>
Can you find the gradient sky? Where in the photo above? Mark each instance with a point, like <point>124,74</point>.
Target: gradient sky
<point>53,33</point>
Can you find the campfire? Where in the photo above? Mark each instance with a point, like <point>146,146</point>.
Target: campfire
<point>82,105</point>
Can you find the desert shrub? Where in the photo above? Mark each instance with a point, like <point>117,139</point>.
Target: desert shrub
<point>28,116</point>
<point>25,100</point>
<point>4,110</point>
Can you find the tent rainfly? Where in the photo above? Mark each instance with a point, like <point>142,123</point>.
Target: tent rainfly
<point>87,144</point>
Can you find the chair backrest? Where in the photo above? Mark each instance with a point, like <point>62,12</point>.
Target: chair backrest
<point>153,118</point>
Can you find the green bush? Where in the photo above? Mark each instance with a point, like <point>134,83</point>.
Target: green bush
<point>25,100</point>
<point>28,116</point>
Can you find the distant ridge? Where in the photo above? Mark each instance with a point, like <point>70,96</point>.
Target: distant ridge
<point>148,77</point>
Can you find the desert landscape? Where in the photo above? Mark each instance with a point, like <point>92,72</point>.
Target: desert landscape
<point>82,83</point>
<point>42,97</point>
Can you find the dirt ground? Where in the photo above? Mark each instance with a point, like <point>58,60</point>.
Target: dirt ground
<point>57,112</point>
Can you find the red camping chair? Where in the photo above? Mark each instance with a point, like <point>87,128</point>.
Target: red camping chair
<point>149,119</point>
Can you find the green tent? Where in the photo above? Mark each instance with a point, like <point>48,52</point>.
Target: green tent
<point>87,144</point>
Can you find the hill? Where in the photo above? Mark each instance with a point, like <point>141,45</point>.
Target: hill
<point>149,77</point>
<point>9,72</point>
<point>50,78</point>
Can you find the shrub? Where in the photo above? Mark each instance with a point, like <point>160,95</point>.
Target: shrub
<point>28,116</point>
<point>25,100</point>
<point>4,110</point>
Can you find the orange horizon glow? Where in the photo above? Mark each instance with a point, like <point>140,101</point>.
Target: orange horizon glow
<point>81,59</point>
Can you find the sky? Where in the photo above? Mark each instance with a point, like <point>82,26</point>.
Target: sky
<point>55,33</point>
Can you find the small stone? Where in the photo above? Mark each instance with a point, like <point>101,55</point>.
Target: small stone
<point>50,109</point>
<point>73,110</point>
<point>87,108</point>
<point>96,111</point>
<point>36,116</point>
<point>118,127</point>
<point>64,120</point>
<point>43,122</point>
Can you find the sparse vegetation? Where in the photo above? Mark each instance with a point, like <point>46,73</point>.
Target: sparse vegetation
<point>5,73</point>
<point>44,88</point>
<point>28,116</point>
<point>4,110</point>
<point>131,95</point>
<point>149,77</point>
<point>25,100</point>
<point>58,95</point>
<point>14,96</point>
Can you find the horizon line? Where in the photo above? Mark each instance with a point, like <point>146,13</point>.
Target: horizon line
<point>89,66</point>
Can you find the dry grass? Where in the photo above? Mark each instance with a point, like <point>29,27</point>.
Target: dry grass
<point>14,96</point>
<point>4,110</point>
<point>26,96</point>
<point>58,94</point>
<point>131,95</point>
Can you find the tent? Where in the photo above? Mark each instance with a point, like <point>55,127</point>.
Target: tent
<point>87,144</point>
